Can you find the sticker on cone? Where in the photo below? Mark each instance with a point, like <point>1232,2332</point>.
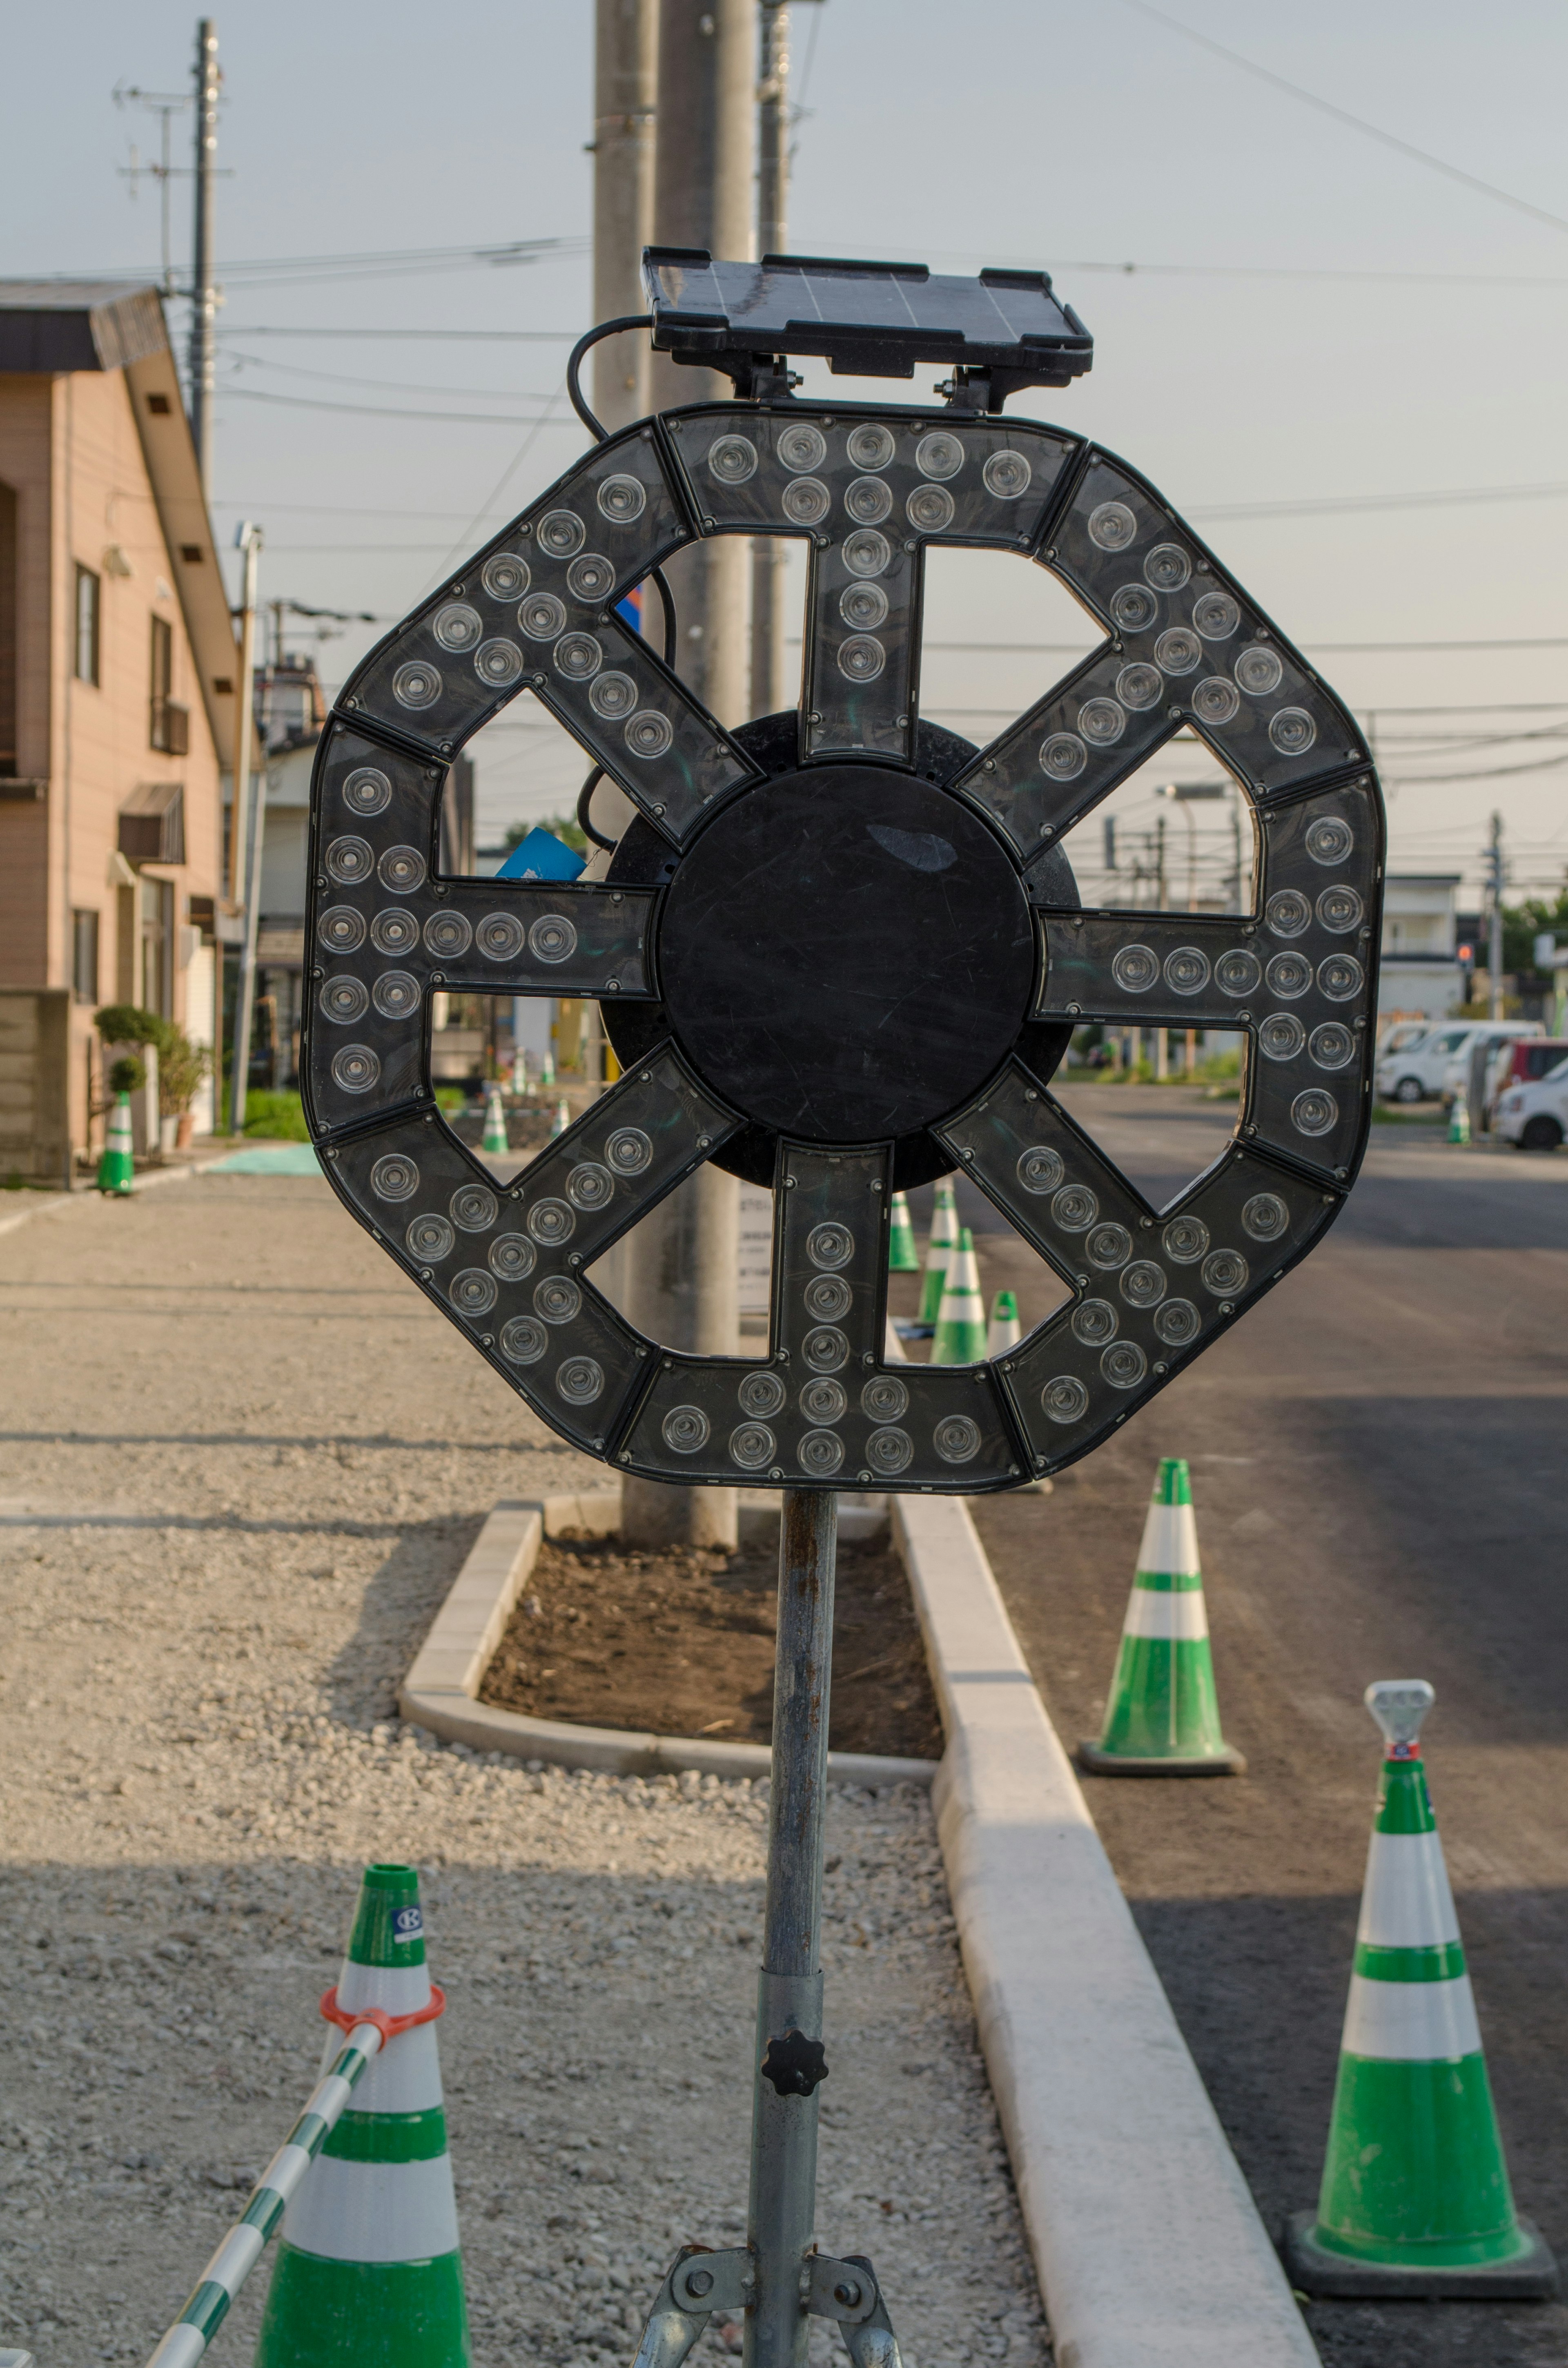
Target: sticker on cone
<point>1163,1718</point>
<point>902,1256</point>
<point>117,1168</point>
<point>1004,1331</point>
<point>369,2274</point>
<point>960,1320</point>
<point>939,1248</point>
<point>1416,2197</point>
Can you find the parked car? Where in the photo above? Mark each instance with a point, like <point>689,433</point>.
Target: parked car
<point>1414,1072</point>
<point>1497,1034</point>
<point>1534,1116</point>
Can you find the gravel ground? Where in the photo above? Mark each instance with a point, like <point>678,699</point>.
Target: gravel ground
<point>242,1463</point>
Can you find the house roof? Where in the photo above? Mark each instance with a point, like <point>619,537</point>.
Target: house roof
<point>78,324</point>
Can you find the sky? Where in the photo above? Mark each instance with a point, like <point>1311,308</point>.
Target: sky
<point>1314,321</point>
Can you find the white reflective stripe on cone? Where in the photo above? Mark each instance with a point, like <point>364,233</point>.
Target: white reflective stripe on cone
<point>1411,2022</point>
<point>1159,1611</point>
<point>1170,1540</point>
<point>406,2078</point>
<point>1406,1903</point>
<point>375,2211</point>
<point>396,1989</point>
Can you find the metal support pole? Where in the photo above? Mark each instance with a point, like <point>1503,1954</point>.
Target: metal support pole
<point>770,552</point>
<point>203,292</point>
<point>249,806</point>
<point>1495,933</point>
<point>780,2221</point>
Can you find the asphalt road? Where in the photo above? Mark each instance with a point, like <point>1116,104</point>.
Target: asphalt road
<point>1377,1461</point>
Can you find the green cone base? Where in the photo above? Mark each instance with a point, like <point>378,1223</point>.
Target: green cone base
<point>1164,1714</point>
<point>1528,2275</point>
<point>1099,1761</point>
<point>324,2313</point>
<point>1415,2169</point>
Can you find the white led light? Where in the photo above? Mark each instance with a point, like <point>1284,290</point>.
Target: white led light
<point>629,1152</point>
<point>1074,1209</point>
<point>1143,1284</point>
<point>760,1394</point>
<point>457,626</point>
<point>1288,913</point>
<point>1225,1273</point>
<point>820,1452</point>
<point>863,607</point>
<point>802,447</point>
<point>889,1451</point>
<point>1095,1321</point>
<point>929,508</point>
<point>367,792</point>
<point>1339,909</point>
<point>577,656</point>
<point>623,499</point>
<point>1065,1399</point>
<point>1238,971</point>
<point>731,459</point>
<point>684,1430</point>
<point>1178,650</point>
<point>524,1340</point>
<point>393,931</point>
<point>1264,1217</point>
<point>447,935</point>
<point>1139,687</point>
<point>884,1398</point>
<point>552,939</point>
<point>504,576</point>
<point>394,1176</point>
<point>551,1222</point>
<point>1123,1364</point>
<point>557,1298</point>
<point>649,734</point>
<point>825,1350</point>
<point>417,685</point>
<point>512,1256</point>
<point>1133,608</point>
<point>1185,1240</point>
<point>861,658</point>
<point>499,662</point>
<point>340,928</point>
<point>868,501</point>
<point>589,1186</point>
<point>1102,722</point>
<point>499,936</point>
<point>561,533</point>
<point>612,695</point>
<point>580,1381</point>
<point>344,999</point>
<point>1332,1046</point>
<point>350,860</point>
<point>401,868</point>
<point>1167,567</point>
<point>828,1298</point>
<point>1216,700</point>
<point>396,995</point>
<point>1040,1168</point>
<point>1281,1036</point>
<point>1292,731</point>
<point>1216,616</point>
<point>1063,757</point>
<point>957,1438</point>
<point>429,1239</point>
<point>1340,977</point>
<point>1177,1323</point>
<point>542,617</point>
<point>869,446</point>
<point>1259,670</point>
<point>1289,975</point>
<point>1186,970</point>
<point>939,454</point>
<point>1329,839</point>
<point>824,1401</point>
<point>1313,1112</point>
<point>806,501</point>
<point>1108,1246</point>
<point>472,1292</point>
<point>1007,475</point>
<point>867,552</point>
<point>356,1069</point>
<point>1113,526</point>
<point>1135,969</point>
<point>590,577</point>
<point>473,1208</point>
<point>752,1446</point>
<point>830,1245</point>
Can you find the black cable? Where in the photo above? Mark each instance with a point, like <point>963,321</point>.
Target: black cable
<point>574,388</point>
<point>585,813</point>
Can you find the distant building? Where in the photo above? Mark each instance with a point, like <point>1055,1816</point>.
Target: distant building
<point>1421,977</point>
<point>118,670</point>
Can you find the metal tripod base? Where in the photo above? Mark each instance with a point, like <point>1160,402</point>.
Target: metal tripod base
<point>701,2283</point>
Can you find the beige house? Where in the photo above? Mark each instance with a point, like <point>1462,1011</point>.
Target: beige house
<point>118,677</point>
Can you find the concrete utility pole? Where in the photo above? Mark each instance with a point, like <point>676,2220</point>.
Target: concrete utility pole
<point>1495,946</point>
<point>682,1283</point>
<point>625,65</point>
<point>203,292</point>
<point>249,807</point>
<point>770,552</point>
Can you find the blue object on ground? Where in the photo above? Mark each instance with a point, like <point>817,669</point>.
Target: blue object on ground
<point>541,855</point>
<point>270,1160</point>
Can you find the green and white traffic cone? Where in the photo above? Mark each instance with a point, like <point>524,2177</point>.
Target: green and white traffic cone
<point>1415,2198</point>
<point>939,1248</point>
<point>1005,1330</point>
<point>117,1169</point>
<point>562,1120</point>
<point>369,2274</point>
<point>960,1321</point>
<point>1459,1120</point>
<point>902,1256</point>
<point>495,1125</point>
<point>547,1072</point>
<point>1163,1718</point>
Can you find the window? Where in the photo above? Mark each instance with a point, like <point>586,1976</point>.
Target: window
<point>84,957</point>
<point>170,725</point>
<point>88,596</point>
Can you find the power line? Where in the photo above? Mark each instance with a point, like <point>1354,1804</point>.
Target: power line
<point>393,385</point>
<point>395,410</point>
<point>1341,115</point>
<point>484,337</point>
<point>1443,498</point>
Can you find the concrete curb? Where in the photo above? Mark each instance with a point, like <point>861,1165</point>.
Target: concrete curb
<point>1150,2249</point>
<point>441,1689</point>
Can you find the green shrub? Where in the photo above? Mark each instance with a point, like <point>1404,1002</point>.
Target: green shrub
<point>281,1117</point>
<point>127,1075</point>
<point>127,1023</point>
<point>182,1065</point>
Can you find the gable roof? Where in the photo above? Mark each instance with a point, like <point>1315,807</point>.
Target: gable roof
<point>78,324</point>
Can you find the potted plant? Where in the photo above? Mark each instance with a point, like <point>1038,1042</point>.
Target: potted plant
<point>182,1067</point>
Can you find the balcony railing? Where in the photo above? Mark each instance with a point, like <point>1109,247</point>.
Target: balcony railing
<point>170,732</point>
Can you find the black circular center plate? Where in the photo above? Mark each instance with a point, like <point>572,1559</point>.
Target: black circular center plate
<point>846,955</point>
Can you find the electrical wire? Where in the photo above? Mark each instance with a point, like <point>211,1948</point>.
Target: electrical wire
<point>395,386</point>
<point>475,337</point>
<point>386,410</point>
